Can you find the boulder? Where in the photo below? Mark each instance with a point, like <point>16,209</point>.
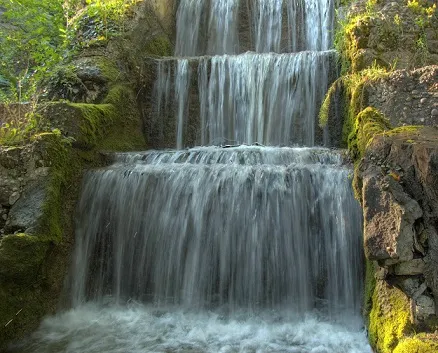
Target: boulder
<point>389,216</point>
<point>26,213</point>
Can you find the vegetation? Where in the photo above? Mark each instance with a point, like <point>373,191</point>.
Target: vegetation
<point>421,343</point>
<point>353,85</point>
<point>389,317</point>
<point>36,36</point>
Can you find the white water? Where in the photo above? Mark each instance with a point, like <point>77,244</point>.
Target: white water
<point>136,328</point>
<point>271,99</point>
<point>216,27</point>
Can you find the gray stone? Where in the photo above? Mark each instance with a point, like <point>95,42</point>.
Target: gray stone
<point>410,286</point>
<point>434,112</point>
<point>419,291</point>
<point>409,268</point>
<point>14,197</point>
<point>26,212</point>
<point>424,307</point>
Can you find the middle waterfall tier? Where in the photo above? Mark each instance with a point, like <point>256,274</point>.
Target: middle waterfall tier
<point>272,99</point>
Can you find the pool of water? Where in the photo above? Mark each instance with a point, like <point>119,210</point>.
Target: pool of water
<point>137,328</point>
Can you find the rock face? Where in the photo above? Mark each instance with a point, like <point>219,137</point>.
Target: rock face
<point>393,34</point>
<point>22,175</point>
<point>407,97</point>
<point>400,199</point>
<point>39,182</point>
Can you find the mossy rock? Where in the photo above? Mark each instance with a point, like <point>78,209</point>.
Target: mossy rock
<point>87,125</point>
<point>21,256</point>
<point>369,122</point>
<point>389,319</point>
<point>159,46</point>
<point>422,343</point>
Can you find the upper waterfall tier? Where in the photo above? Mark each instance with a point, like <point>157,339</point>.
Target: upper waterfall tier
<point>216,27</point>
<point>272,99</point>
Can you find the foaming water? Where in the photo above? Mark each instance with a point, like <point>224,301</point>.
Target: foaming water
<point>271,99</point>
<point>242,227</point>
<point>136,328</point>
<point>245,155</point>
<point>216,27</point>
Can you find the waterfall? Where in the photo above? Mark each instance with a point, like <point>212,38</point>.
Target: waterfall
<point>242,227</point>
<point>271,99</point>
<point>216,27</point>
<point>261,96</point>
<point>249,242</point>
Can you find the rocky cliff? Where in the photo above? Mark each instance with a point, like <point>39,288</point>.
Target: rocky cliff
<point>391,87</point>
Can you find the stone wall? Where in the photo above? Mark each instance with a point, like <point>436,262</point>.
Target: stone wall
<point>407,97</point>
<point>396,164</point>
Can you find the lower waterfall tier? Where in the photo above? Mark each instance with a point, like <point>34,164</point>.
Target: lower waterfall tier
<point>210,232</point>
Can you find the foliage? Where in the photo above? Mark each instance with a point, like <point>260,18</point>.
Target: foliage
<point>98,21</point>
<point>31,43</point>
<point>35,37</point>
<point>23,121</point>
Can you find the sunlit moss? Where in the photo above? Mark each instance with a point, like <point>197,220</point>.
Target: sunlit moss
<point>389,319</point>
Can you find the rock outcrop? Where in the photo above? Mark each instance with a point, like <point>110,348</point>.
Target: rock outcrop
<point>390,126</point>
<point>40,176</point>
<point>400,199</point>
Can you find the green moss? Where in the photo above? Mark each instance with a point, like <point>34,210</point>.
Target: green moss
<point>421,343</point>
<point>370,285</point>
<point>128,135</point>
<point>369,122</point>
<point>389,319</point>
<point>20,257</point>
<point>94,118</point>
<point>353,87</point>
<point>159,46</point>
<point>328,101</point>
<point>63,166</point>
<point>408,129</point>
<point>108,70</point>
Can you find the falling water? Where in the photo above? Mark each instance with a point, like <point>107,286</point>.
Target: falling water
<point>237,249</point>
<point>244,227</point>
<point>271,99</point>
<point>216,27</point>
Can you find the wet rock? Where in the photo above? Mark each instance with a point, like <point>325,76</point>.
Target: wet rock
<point>409,268</point>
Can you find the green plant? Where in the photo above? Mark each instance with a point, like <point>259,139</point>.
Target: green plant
<point>353,86</point>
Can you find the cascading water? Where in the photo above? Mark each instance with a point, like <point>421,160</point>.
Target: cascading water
<point>266,98</point>
<point>223,249</point>
<point>216,27</point>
